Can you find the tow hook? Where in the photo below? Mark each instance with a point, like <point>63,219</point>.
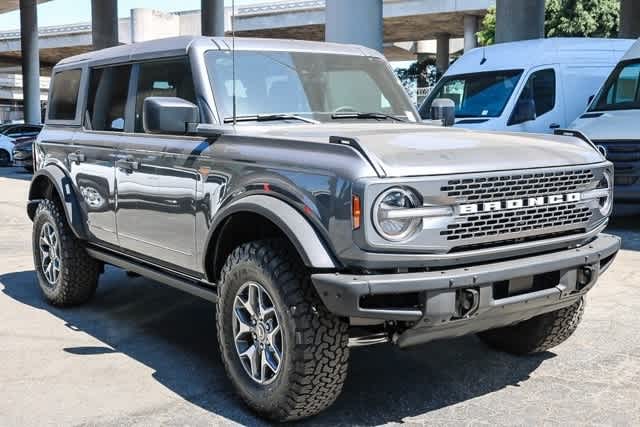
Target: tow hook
<point>585,277</point>
<point>467,302</point>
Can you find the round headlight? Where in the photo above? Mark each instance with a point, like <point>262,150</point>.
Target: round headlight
<point>394,227</point>
<point>606,202</point>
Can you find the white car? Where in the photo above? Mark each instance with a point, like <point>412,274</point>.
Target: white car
<point>527,86</point>
<point>6,150</point>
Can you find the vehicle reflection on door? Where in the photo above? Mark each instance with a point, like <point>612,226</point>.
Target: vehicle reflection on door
<point>156,206</point>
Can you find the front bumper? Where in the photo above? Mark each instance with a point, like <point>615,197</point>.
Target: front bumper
<point>439,291</point>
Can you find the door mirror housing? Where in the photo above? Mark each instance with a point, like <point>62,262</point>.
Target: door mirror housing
<point>525,111</point>
<point>169,115</point>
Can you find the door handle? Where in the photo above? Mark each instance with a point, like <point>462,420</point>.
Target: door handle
<point>127,165</point>
<point>554,126</point>
<point>76,157</point>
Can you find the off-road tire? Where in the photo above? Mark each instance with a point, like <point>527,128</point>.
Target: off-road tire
<point>78,278</point>
<point>537,334</point>
<point>315,352</point>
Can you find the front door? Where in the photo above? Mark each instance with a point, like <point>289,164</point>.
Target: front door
<point>157,175</point>
<point>541,91</point>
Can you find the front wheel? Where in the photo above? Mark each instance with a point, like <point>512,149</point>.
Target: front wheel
<point>284,352</point>
<point>537,334</point>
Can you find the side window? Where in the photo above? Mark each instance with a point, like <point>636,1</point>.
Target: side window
<point>541,90</point>
<point>64,95</point>
<point>107,99</point>
<point>163,78</point>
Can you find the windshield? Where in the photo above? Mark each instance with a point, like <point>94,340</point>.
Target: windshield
<point>309,85</point>
<point>622,89</point>
<point>475,95</point>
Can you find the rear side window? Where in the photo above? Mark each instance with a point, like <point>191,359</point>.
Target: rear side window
<point>64,95</point>
<point>107,101</point>
<point>163,78</point>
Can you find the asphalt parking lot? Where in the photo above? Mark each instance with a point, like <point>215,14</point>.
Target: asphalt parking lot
<point>144,354</point>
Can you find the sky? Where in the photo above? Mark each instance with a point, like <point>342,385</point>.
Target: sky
<point>61,12</point>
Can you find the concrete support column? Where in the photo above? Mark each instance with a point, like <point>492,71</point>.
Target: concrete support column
<point>629,19</point>
<point>212,18</point>
<point>442,52</point>
<point>470,30</point>
<point>30,61</point>
<point>104,23</point>
<point>519,20</point>
<point>355,21</point>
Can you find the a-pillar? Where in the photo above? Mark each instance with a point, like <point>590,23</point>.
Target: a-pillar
<point>212,18</point>
<point>629,19</point>
<point>519,20</point>
<point>356,22</point>
<point>30,61</point>
<point>104,23</point>
<point>470,31</point>
<point>442,52</point>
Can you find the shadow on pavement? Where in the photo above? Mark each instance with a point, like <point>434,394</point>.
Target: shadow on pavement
<point>15,173</point>
<point>628,228</point>
<point>174,334</point>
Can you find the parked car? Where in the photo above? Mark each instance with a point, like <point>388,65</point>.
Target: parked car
<point>20,130</point>
<point>23,153</point>
<point>612,121</point>
<point>527,86</point>
<point>6,150</point>
<point>292,184</point>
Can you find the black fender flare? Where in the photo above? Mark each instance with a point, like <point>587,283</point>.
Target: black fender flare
<point>293,224</point>
<point>63,185</point>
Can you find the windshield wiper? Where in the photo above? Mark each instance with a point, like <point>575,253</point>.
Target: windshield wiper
<point>269,118</point>
<point>363,116</point>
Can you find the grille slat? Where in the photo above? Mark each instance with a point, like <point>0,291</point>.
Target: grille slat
<point>625,156</point>
<point>515,186</point>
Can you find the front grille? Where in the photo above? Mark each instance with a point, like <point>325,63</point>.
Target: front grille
<point>541,218</point>
<point>516,186</point>
<point>625,156</point>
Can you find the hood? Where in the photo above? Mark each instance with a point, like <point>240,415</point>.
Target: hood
<point>612,125</point>
<point>419,149</point>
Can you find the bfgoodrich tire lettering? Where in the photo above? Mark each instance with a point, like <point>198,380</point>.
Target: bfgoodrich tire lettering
<point>78,272</point>
<point>315,354</point>
<point>537,334</point>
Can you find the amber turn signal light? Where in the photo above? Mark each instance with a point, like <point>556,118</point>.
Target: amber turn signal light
<point>356,212</point>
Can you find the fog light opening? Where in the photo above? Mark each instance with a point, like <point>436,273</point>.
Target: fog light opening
<point>585,277</point>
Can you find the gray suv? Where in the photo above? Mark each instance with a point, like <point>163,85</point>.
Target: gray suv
<point>291,184</point>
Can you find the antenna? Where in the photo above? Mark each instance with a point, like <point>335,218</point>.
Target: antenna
<point>484,55</point>
<point>233,58</point>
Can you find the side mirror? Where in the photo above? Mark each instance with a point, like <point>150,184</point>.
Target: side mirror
<point>169,115</point>
<point>525,111</point>
<point>444,109</point>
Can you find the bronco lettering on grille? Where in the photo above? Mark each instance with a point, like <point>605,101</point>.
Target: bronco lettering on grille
<point>519,203</point>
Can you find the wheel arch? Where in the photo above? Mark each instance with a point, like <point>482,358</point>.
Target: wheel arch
<point>269,216</point>
<point>53,183</point>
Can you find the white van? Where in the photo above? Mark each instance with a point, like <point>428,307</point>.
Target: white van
<point>527,86</point>
<point>612,121</point>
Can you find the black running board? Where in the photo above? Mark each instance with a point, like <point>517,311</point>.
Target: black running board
<point>192,287</point>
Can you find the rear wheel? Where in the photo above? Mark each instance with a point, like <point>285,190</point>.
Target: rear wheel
<point>66,274</point>
<point>284,352</point>
<point>537,334</point>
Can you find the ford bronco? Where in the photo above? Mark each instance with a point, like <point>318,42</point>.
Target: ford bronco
<point>291,184</point>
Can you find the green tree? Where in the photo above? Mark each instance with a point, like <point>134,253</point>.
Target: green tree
<point>567,18</point>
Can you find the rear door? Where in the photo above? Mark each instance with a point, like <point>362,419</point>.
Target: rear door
<point>157,175</point>
<point>92,162</point>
